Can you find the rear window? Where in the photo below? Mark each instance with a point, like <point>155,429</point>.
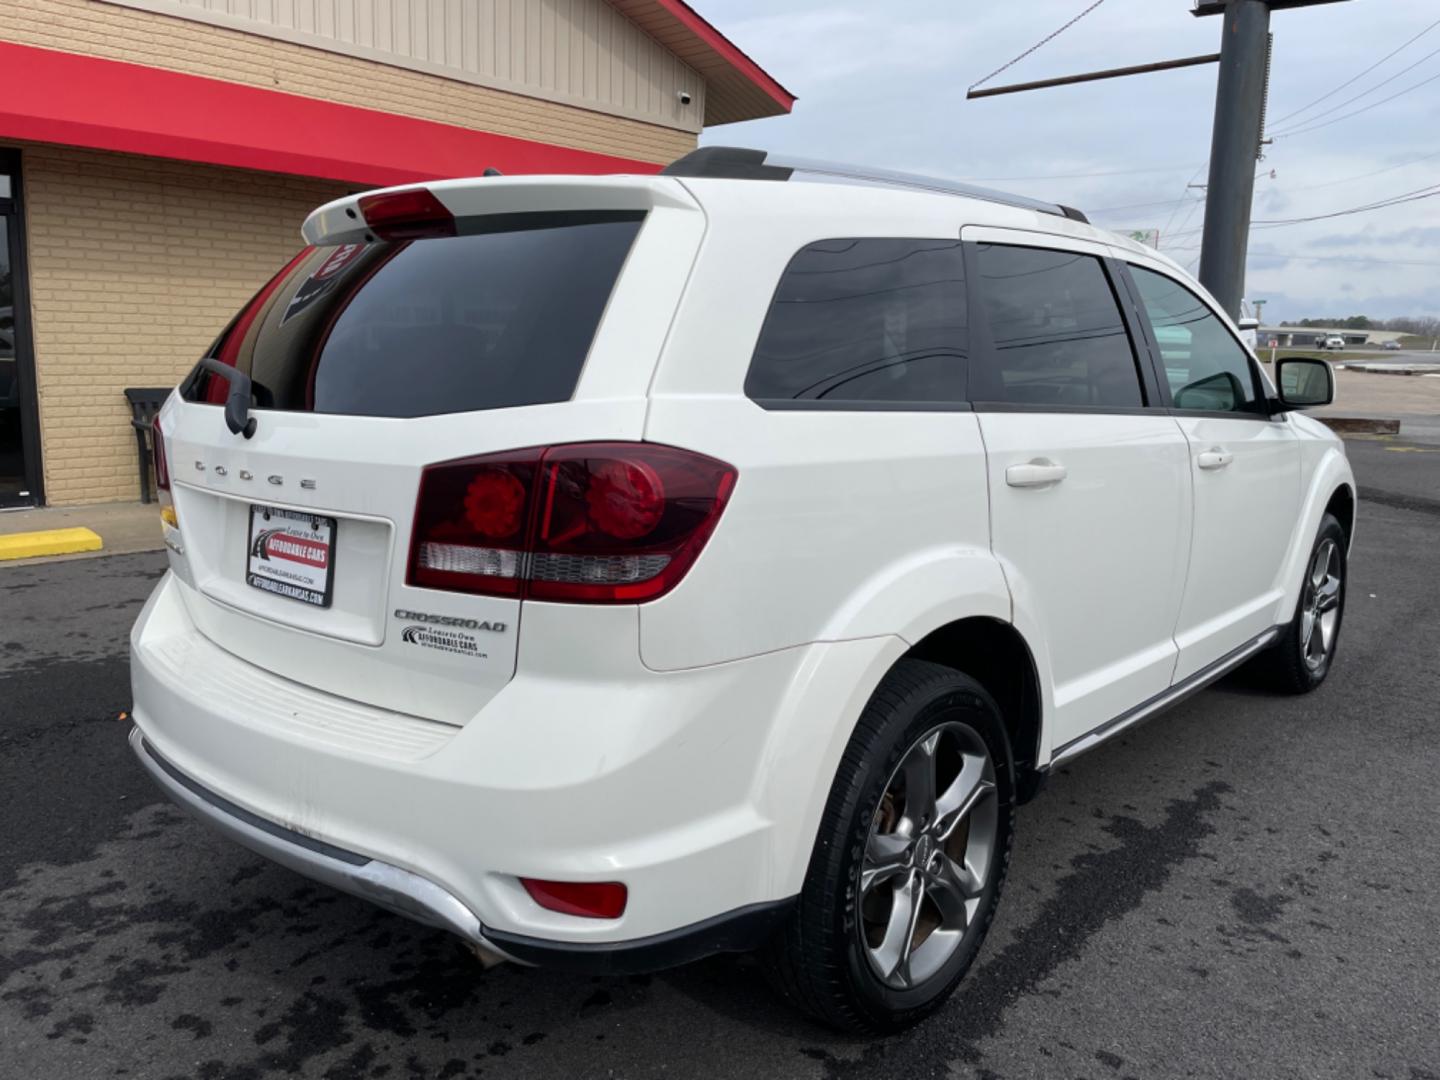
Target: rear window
<point>501,315</point>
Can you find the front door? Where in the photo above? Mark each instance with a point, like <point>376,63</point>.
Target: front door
<point>19,442</point>
<point>1089,493</point>
<point>1245,468</point>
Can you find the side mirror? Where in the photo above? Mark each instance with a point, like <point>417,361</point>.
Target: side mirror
<point>1304,384</point>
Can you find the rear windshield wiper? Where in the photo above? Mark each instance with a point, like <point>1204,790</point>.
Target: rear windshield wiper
<point>237,403</point>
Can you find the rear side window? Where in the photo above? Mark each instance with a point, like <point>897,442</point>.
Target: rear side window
<point>1205,366</point>
<point>1059,338</point>
<point>876,321</point>
<point>501,315</point>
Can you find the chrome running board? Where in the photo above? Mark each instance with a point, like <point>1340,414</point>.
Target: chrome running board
<point>1162,701</point>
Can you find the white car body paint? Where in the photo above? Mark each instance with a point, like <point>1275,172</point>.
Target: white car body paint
<point>686,746</point>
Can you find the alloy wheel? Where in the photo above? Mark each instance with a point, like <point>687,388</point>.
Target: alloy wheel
<point>929,855</point>
<point>1320,605</point>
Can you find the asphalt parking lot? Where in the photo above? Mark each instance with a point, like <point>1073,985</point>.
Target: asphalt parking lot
<point>1246,887</point>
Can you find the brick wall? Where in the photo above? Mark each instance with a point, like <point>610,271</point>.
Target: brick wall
<point>135,265</point>
<point>117,33</point>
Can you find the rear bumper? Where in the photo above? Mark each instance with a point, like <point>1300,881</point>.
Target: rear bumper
<point>390,887</point>
<point>701,790</point>
<point>415,897</point>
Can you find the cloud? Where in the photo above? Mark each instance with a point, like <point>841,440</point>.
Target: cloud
<point>1412,237</point>
<point>884,84</point>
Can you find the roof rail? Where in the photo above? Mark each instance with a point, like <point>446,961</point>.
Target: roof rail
<point>741,163</point>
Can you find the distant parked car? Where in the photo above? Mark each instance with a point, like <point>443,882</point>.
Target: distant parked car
<point>1391,346</point>
<point>1334,341</point>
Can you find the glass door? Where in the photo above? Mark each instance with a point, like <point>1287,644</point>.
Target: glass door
<point>19,430</point>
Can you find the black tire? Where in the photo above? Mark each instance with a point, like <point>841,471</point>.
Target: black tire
<point>1291,665</point>
<point>819,959</point>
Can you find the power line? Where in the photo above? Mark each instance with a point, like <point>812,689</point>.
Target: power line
<point>1075,176</point>
<point>1380,204</point>
<point>1322,258</point>
<point>1091,211</point>
<point>1354,78</point>
<point>1189,215</point>
<point>1193,177</point>
<point>1339,258</point>
<point>1043,41</point>
<point>1411,196</point>
<point>1362,176</point>
<point>1364,93</point>
<point>1357,112</point>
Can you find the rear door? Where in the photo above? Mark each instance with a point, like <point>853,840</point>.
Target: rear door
<point>1089,494</point>
<point>369,361</point>
<point>1244,467</point>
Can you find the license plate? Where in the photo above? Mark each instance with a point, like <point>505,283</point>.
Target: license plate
<point>291,554</point>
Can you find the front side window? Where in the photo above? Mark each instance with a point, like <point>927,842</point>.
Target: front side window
<point>866,321</point>
<point>1205,366</point>
<point>1059,338</point>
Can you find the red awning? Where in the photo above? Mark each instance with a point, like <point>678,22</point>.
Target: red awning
<point>74,100</point>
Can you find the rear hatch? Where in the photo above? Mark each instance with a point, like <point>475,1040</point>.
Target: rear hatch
<point>469,318</point>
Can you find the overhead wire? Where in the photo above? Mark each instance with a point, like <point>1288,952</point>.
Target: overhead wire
<point>1363,176</point>
<point>1074,176</point>
<point>1363,94</point>
<point>1355,78</point>
<point>1038,45</point>
<point>1346,116</point>
<point>1416,195</point>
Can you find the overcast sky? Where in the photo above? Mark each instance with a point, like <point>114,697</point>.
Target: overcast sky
<point>884,83</point>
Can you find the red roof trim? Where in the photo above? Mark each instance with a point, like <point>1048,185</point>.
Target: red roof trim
<point>75,100</point>
<point>729,51</point>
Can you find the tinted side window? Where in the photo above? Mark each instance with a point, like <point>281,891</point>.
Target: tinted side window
<point>866,320</point>
<point>1204,365</point>
<point>1057,330</point>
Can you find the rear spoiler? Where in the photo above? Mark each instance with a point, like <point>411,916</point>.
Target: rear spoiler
<point>385,214</point>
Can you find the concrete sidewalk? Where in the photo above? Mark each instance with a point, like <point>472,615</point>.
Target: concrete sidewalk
<point>123,528</point>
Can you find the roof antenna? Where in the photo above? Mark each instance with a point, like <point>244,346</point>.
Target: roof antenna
<point>492,172</point>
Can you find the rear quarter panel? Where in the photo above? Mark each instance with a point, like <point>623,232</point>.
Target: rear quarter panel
<point>843,524</point>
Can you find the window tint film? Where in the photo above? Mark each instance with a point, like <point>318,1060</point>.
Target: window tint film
<point>1205,366</point>
<point>499,316</point>
<point>1057,330</point>
<point>868,320</point>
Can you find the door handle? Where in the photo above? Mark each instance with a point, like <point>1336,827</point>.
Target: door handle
<point>1042,472</point>
<point>1214,458</point>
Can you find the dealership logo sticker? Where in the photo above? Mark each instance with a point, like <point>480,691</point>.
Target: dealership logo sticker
<point>451,641</point>
<point>291,554</point>
<point>283,544</point>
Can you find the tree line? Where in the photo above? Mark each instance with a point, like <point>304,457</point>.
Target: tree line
<point>1422,325</point>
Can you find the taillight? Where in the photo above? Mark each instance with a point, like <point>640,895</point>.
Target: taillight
<point>162,465</point>
<point>605,523</point>
<point>406,215</point>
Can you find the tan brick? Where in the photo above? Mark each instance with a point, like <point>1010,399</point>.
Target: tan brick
<point>117,33</point>
<point>137,307</point>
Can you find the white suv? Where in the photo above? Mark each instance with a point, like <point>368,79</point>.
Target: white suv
<point>618,570</point>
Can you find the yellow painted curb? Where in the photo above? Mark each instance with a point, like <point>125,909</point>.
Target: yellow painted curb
<point>32,545</point>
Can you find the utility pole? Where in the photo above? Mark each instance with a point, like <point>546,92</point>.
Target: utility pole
<point>1240,93</point>
<point>1235,142</point>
